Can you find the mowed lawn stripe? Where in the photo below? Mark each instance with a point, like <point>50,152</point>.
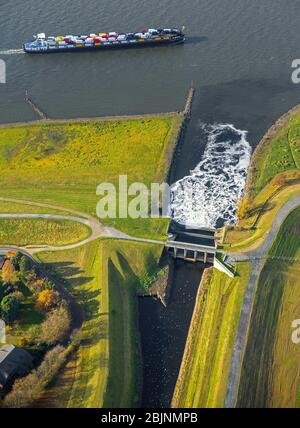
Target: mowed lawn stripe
<point>271,367</point>
<point>205,368</point>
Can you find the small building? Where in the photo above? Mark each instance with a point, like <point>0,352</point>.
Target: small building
<point>14,363</point>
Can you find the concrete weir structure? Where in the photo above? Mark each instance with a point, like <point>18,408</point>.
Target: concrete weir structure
<point>192,244</point>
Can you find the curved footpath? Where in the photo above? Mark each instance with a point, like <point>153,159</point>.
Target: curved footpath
<point>98,230</point>
<point>257,259</point>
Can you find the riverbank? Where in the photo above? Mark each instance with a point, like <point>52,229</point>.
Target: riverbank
<point>273,191</point>
<point>273,178</point>
<point>89,119</point>
<point>63,163</point>
<point>205,366</point>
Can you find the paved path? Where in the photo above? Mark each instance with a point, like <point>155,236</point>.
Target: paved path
<point>257,259</point>
<point>98,230</point>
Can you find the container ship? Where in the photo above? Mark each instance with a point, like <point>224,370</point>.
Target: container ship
<point>100,41</point>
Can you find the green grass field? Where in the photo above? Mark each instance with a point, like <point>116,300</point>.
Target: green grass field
<point>7,207</point>
<point>104,277</point>
<point>205,368</point>
<point>63,163</point>
<point>280,154</point>
<point>24,232</point>
<point>271,368</point>
<point>277,155</point>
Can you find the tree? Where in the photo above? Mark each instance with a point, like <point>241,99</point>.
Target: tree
<point>46,300</point>
<point>9,308</point>
<point>56,326</point>
<point>30,281</point>
<point>29,388</point>
<point>2,290</point>
<point>16,260</point>
<point>24,267</point>
<point>9,273</point>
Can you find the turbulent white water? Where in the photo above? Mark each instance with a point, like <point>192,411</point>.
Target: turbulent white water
<point>208,196</point>
<point>12,52</point>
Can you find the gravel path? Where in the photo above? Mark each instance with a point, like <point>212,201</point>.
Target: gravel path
<point>98,230</point>
<point>257,264</point>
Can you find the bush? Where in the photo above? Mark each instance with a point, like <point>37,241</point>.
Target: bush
<point>56,326</point>
<point>9,308</point>
<point>9,274</point>
<point>46,300</point>
<point>29,388</point>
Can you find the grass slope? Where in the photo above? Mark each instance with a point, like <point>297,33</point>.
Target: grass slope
<point>277,154</point>
<point>205,368</point>
<point>271,368</point>
<point>104,276</point>
<point>280,154</point>
<point>24,232</point>
<point>64,163</point>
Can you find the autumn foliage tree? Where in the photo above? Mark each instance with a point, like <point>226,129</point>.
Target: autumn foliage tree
<point>9,273</point>
<point>56,325</point>
<point>46,300</point>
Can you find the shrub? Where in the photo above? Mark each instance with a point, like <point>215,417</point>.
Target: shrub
<point>9,308</point>
<point>46,300</point>
<point>56,326</point>
<point>29,388</point>
<point>9,274</point>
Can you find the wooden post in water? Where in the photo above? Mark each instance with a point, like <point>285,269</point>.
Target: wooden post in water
<point>35,108</point>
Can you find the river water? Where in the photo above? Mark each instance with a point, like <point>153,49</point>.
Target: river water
<point>238,54</point>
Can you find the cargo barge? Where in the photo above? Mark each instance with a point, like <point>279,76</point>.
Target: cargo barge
<point>102,41</point>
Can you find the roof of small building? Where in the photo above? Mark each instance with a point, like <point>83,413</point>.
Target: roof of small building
<point>14,361</point>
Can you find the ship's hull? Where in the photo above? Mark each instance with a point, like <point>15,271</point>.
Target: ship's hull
<point>108,46</point>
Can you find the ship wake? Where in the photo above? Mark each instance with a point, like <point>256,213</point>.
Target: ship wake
<point>208,196</point>
<point>12,52</point>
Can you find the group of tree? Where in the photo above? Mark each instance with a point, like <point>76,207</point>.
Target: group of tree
<point>17,274</point>
<point>10,295</point>
<point>30,387</point>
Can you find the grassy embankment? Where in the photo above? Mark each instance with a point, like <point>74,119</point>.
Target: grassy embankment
<point>22,232</point>
<point>104,276</point>
<point>273,179</point>
<point>270,373</point>
<point>205,368</point>
<point>63,163</point>
<point>271,368</point>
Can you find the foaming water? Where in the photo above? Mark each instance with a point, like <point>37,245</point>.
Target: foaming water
<point>11,52</point>
<point>208,196</point>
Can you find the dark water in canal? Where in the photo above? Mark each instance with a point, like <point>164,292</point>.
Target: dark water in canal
<point>238,54</point>
<point>164,332</point>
